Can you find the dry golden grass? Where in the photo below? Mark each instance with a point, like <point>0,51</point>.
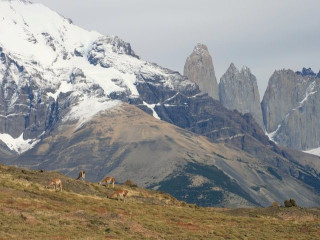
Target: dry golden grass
<point>82,211</point>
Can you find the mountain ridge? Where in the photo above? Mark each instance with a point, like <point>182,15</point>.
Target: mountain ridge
<point>41,95</point>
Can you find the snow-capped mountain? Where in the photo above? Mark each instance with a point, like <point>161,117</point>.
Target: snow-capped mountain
<point>50,67</point>
<point>59,83</point>
<point>48,63</point>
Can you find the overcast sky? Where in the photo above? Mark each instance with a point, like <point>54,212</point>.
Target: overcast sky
<point>264,35</point>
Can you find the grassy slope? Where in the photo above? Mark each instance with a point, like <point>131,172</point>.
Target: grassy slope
<point>82,211</point>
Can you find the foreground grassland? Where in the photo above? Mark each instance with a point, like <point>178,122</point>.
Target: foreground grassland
<point>82,211</point>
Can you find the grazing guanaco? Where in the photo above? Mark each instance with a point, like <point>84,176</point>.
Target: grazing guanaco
<point>120,194</point>
<point>82,175</point>
<point>55,182</point>
<point>108,180</point>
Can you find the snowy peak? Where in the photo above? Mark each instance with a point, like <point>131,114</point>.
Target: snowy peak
<point>44,36</point>
<point>50,67</point>
<point>48,40</point>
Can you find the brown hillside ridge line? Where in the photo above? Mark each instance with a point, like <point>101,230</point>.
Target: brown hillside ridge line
<point>82,210</point>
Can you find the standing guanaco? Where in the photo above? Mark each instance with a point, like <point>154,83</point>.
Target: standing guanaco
<point>108,180</point>
<point>55,182</point>
<point>82,175</point>
<point>120,194</point>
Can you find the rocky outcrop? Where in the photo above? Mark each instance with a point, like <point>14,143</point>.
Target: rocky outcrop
<point>291,109</point>
<point>239,90</point>
<point>199,69</point>
<point>307,72</point>
<point>98,49</point>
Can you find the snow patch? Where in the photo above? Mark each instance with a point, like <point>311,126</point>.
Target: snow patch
<point>19,144</point>
<point>151,106</point>
<point>309,92</point>
<point>272,134</point>
<point>64,87</point>
<point>89,107</point>
<point>314,151</point>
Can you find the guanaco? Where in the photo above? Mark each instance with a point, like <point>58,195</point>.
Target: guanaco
<point>82,175</point>
<point>108,180</point>
<point>55,182</point>
<point>120,194</point>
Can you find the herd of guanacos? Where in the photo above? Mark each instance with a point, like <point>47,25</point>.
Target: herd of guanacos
<point>120,194</point>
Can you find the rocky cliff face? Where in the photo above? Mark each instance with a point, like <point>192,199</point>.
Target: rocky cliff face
<point>199,69</point>
<point>308,72</point>
<point>239,90</point>
<point>291,109</point>
<point>23,107</point>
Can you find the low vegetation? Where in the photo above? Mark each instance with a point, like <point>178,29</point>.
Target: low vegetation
<point>82,211</point>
